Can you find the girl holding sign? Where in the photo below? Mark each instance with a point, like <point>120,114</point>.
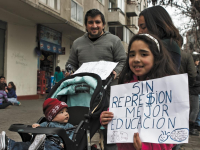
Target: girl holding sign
<point>147,59</point>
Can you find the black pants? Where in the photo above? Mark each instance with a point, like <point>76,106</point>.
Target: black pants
<point>4,105</point>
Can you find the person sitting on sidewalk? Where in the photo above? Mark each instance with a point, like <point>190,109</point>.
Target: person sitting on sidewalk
<point>57,116</point>
<point>3,80</point>
<point>12,97</point>
<point>4,103</point>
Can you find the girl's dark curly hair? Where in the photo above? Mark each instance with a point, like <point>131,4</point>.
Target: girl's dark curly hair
<point>13,85</point>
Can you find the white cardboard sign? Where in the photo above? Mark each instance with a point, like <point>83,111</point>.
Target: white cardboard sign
<point>157,109</point>
<point>102,68</point>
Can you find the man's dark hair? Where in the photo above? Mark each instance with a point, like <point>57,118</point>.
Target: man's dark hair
<point>93,13</point>
<point>2,77</point>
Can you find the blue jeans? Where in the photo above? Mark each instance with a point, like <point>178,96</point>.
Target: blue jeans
<point>49,145</point>
<point>13,100</point>
<point>198,116</point>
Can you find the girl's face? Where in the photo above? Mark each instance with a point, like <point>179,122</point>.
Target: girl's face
<point>142,25</point>
<point>141,59</point>
<point>62,116</point>
<point>9,86</point>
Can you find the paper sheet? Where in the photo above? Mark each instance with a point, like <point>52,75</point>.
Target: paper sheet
<point>102,68</point>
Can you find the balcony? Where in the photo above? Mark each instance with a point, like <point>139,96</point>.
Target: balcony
<point>133,28</point>
<point>131,9</point>
<point>116,16</point>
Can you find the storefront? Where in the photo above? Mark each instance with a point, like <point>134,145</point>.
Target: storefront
<point>49,43</point>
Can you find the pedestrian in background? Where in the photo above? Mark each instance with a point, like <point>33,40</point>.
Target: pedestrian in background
<point>11,94</point>
<point>194,101</point>
<point>4,103</point>
<point>58,75</point>
<point>187,66</point>
<point>157,21</point>
<point>3,80</point>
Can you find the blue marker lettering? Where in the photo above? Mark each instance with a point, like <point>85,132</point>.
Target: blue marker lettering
<point>133,100</point>
<point>157,106</point>
<point>133,110</point>
<point>150,87</point>
<point>137,87</point>
<point>161,124</point>
<point>120,101</point>
<point>121,123</point>
<point>127,97</point>
<point>115,102</point>
<point>173,125</point>
<point>112,124</point>
<point>144,123</point>
<point>169,97</point>
<point>160,96</point>
<point>165,108</point>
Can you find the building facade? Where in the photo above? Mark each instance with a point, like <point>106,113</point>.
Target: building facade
<point>37,34</point>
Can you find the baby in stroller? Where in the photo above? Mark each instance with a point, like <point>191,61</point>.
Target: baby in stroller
<point>57,116</point>
<point>85,96</point>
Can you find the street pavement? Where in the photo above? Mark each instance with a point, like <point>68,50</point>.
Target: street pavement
<point>31,110</point>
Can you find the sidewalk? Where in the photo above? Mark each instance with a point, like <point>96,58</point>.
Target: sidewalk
<point>31,110</point>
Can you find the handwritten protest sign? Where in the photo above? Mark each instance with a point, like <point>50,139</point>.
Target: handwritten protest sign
<point>102,68</point>
<point>157,109</point>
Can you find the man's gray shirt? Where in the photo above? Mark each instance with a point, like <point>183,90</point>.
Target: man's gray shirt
<point>108,47</point>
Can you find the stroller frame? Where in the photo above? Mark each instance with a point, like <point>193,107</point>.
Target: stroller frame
<point>88,126</point>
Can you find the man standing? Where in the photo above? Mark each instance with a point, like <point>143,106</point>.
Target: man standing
<point>96,45</point>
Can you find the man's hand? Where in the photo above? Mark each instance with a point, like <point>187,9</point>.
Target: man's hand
<point>137,142</point>
<point>115,73</point>
<point>35,125</point>
<point>106,117</point>
<point>67,74</point>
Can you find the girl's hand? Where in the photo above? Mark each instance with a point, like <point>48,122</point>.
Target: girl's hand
<point>6,91</point>
<point>137,142</point>
<point>106,117</point>
<point>35,125</point>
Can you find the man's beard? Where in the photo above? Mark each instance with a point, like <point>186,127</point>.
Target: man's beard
<point>95,35</point>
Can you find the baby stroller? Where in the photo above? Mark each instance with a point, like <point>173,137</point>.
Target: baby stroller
<point>85,95</point>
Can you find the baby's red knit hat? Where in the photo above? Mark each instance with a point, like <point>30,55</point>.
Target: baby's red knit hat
<point>51,108</point>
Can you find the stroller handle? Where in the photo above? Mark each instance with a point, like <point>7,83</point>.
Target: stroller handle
<point>109,81</point>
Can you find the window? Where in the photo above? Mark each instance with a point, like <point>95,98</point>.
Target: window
<point>145,5</point>
<point>127,35</point>
<point>120,4</point>
<point>122,32</point>
<point>76,12</point>
<point>54,4</point>
<point>139,7</point>
<point>101,1</point>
